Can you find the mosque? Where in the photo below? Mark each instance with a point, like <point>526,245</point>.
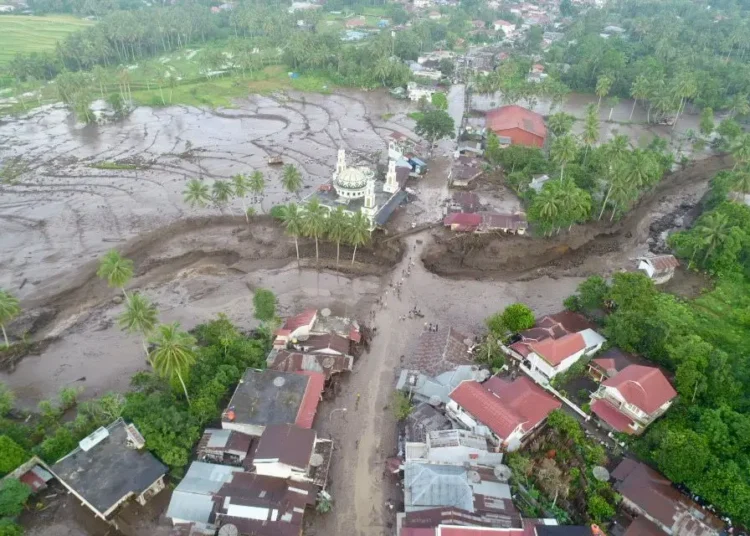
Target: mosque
<point>357,190</point>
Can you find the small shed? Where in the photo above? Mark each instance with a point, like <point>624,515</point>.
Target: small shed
<point>659,268</point>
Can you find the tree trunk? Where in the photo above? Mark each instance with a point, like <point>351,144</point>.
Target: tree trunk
<point>614,209</point>
<point>338,246</point>
<point>606,198</point>
<point>610,114</point>
<point>127,298</point>
<point>355,253</point>
<point>316,250</point>
<point>145,351</point>
<point>183,387</point>
<point>562,170</point>
<point>244,208</point>
<point>5,336</point>
<point>296,246</point>
<point>632,111</point>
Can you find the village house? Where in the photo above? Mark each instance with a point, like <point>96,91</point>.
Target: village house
<point>609,363</point>
<point>226,447</point>
<point>417,92</point>
<point>508,28</point>
<point>310,332</point>
<point>486,222</point>
<point>266,397</point>
<point>355,22</point>
<point>665,510</point>
<point>192,500</point>
<point>464,171</point>
<point>519,125</point>
<point>632,399</point>
<point>422,420</point>
<point>442,350</point>
<point>507,412</point>
<point>555,344</point>
<point>455,447</point>
<point>421,387</point>
<point>328,365</point>
<point>659,268</point>
<point>109,468</point>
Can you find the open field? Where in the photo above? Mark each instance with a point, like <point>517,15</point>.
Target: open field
<point>20,33</point>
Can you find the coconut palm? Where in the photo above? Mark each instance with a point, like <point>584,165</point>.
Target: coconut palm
<point>241,188</point>
<point>291,179</point>
<point>590,129</point>
<point>222,193</point>
<point>140,316</point>
<point>358,232</point>
<point>173,353</point>
<point>292,221</point>
<point>684,87</point>
<point>116,270</point>
<point>740,182</point>
<point>640,169</point>
<point>639,90</point>
<point>739,105</point>
<point>576,204</point>
<point>603,85</point>
<point>338,221</point>
<point>741,150</point>
<point>617,148</point>
<point>560,123</point>
<point>563,150</point>
<point>9,309</point>
<point>314,221</point>
<point>258,186</point>
<point>196,193</point>
<point>713,230</point>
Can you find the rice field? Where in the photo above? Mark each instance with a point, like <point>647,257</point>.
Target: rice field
<point>21,33</point>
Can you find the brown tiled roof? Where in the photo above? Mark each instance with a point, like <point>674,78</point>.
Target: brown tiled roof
<point>288,443</point>
<point>643,527</point>
<point>328,365</point>
<point>494,220</point>
<point>612,416</point>
<point>645,387</point>
<point>555,351</point>
<point>469,201</point>
<point>297,321</point>
<point>332,341</point>
<point>440,351</point>
<point>514,116</point>
<point>654,494</point>
<point>663,263</point>
<point>613,361</point>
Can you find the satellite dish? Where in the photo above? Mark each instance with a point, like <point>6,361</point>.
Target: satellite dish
<point>325,312</point>
<point>600,473</point>
<point>474,477</point>
<point>502,472</point>
<point>328,362</point>
<point>468,342</point>
<point>279,381</point>
<point>229,530</point>
<point>316,460</point>
<point>435,400</point>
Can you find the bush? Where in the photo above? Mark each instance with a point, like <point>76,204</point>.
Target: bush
<point>518,317</point>
<point>11,455</point>
<point>13,496</point>
<point>10,528</point>
<point>264,302</point>
<point>599,509</point>
<point>277,212</point>
<point>401,405</point>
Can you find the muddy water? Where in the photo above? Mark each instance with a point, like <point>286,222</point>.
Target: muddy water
<point>62,212</point>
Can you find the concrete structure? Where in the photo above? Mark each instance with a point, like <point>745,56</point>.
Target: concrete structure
<point>659,268</point>
<point>226,447</point>
<point>556,343</point>
<point>508,28</point>
<point>417,92</point>
<point>464,171</point>
<point>424,419</point>
<point>192,500</point>
<point>265,397</point>
<point>505,412</point>
<point>355,188</point>
<point>328,365</point>
<point>110,467</point>
<point>421,387</point>
<point>486,222</point>
<point>632,399</point>
<point>647,493</point>
<point>521,126</point>
<point>609,363</point>
<point>454,447</point>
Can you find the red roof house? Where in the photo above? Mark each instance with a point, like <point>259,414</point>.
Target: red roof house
<point>521,126</point>
<point>355,23</point>
<point>633,398</point>
<point>509,409</point>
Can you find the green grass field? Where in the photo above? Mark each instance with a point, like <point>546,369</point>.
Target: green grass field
<point>19,33</point>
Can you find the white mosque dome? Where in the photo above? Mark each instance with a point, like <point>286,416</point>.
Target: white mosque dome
<point>351,179</point>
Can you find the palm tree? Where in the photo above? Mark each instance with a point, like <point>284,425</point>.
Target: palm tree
<point>338,221</point>
<point>173,353</point>
<point>740,183</point>
<point>221,193</point>
<point>617,148</point>
<point>9,309</point>
<point>358,232</point>
<point>140,316</point>
<point>292,221</point>
<point>196,193</point>
<point>713,231</point>
<point>739,105</point>
<point>741,150</point>
<point>590,129</point>
<point>685,87</point>
<point>560,123</point>
<point>547,206</point>
<point>241,188</point>
<point>258,186</point>
<point>314,221</point>
<point>116,270</point>
<point>291,179</point>
<point>639,90</point>
<point>576,204</point>
<point>603,85</point>
<point>563,150</point>
<point>383,68</point>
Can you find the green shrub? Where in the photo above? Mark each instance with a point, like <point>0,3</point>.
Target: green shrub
<point>13,496</point>
<point>11,455</point>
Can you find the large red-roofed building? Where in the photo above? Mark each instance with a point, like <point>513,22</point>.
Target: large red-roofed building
<point>511,410</point>
<point>519,125</point>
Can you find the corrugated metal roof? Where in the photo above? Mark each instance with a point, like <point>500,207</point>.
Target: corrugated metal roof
<point>192,500</point>
<point>218,438</point>
<point>187,506</point>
